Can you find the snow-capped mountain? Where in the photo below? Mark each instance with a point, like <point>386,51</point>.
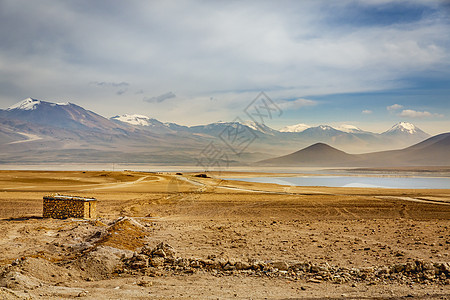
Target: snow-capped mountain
<point>302,127</point>
<point>321,132</point>
<point>144,123</point>
<point>27,104</point>
<point>60,115</point>
<point>260,127</point>
<point>349,128</point>
<point>295,128</point>
<point>139,120</point>
<point>407,132</point>
<point>404,128</point>
<point>32,104</point>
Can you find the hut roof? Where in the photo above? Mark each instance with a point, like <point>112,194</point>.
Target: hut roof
<point>65,197</point>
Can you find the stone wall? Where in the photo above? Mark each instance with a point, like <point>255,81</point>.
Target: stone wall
<point>69,207</point>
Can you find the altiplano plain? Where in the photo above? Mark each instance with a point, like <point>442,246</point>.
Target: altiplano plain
<point>161,235</point>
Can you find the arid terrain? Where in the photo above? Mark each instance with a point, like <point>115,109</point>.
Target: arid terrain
<point>162,235</point>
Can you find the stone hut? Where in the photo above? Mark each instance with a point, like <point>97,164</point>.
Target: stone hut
<point>61,206</point>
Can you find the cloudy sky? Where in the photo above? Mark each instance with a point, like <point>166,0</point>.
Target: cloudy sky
<point>368,63</point>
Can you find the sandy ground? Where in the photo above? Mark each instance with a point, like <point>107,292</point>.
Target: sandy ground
<point>231,240</point>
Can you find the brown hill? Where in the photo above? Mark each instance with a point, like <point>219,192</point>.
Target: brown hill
<point>431,152</point>
<point>319,154</point>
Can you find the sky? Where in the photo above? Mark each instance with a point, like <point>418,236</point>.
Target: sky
<point>368,63</point>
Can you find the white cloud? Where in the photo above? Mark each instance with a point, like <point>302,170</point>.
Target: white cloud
<point>367,112</point>
<point>252,45</point>
<point>418,114</point>
<point>394,107</point>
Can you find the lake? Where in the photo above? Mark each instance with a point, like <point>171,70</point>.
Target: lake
<point>357,181</point>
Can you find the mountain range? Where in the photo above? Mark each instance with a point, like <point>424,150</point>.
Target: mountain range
<point>39,131</point>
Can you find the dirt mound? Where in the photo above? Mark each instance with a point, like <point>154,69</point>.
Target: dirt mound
<point>44,270</point>
<point>31,272</point>
<point>101,252</point>
<point>17,280</point>
<point>124,233</point>
<point>101,262</point>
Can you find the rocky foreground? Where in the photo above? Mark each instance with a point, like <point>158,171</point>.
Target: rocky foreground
<point>97,251</point>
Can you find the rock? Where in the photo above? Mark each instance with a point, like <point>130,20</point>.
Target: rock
<point>146,250</point>
<point>428,267</point>
<point>419,265</point>
<point>169,261</point>
<point>181,262</point>
<point>83,294</point>
<point>145,283</point>
<point>208,262</point>
<point>397,268</point>
<point>429,275</point>
<point>410,267</point>
<point>140,257</point>
<point>138,261</point>
<point>305,267</point>
<point>367,270</point>
<point>323,268</point>
<point>229,267</point>
<point>315,269</point>
<point>159,252</point>
<point>138,264</point>
<point>195,264</point>
<point>280,265</point>
<point>445,268</point>
<point>242,266</point>
<point>156,261</point>
<point>168,250</point>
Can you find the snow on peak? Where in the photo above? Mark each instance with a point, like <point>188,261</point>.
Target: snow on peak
<point>295,128</point>
<point>404,127</point>
<point>325,127</point>
<point>348,128</point>
<point>60,104</point>
<point>251,125</point>
<point>27,104</point>
<point>133,119</point>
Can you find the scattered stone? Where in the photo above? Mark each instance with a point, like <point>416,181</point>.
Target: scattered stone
<point>162,257</point>
<point>83,294</point>
<point>280,265</point>
<point>145,283</point>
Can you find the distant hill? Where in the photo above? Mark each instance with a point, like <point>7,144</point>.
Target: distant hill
<point>319,154</point>
<point>431,152</point>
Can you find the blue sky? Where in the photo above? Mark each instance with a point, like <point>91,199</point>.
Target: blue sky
<point>195,62</point>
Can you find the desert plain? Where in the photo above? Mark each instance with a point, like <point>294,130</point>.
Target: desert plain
<point>179,236</point>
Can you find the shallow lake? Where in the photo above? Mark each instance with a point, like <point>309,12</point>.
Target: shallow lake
<point>357,181</point>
